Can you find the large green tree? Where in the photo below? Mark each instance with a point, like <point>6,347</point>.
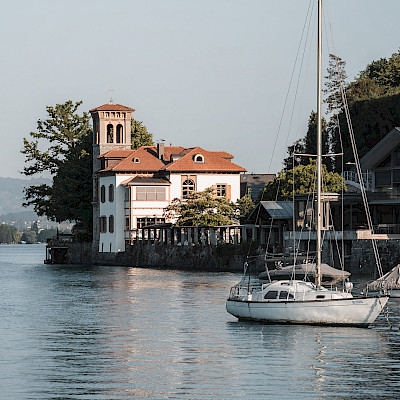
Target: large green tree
<point>202,209</point>
<point>61,146</point>
<point>139,135</point>
<point>301,179</point>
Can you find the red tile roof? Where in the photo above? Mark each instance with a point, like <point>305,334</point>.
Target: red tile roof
<point>116,154</point>
<point>112,107</point>
<point>222,154</point>
<point>212,163</point>
<point>148,160</point>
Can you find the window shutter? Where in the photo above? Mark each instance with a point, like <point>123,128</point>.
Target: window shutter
<point>228,192</point>
<point>214,194</point>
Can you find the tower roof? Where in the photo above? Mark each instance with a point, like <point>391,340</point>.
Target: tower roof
<point>112,107</point>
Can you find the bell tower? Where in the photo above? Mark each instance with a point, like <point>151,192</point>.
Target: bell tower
<point>111,131</point>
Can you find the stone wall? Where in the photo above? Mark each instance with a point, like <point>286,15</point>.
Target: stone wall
<point>223,257</point>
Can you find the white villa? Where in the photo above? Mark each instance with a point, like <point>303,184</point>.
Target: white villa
<point>132,188</point>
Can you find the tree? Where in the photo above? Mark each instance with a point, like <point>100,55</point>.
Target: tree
<point>139,135</point>
<point>29,236</point>
<point>380,78</point>
<point>65,137</point>
<point>304,177</point>
<point>335,83</point>
<point>202,209</point>
<point>308,145</point>
<point>9,234</point>
<point>45,234</point>
<point>245,205</point>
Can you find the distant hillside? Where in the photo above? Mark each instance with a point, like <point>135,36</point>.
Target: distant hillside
<point>11,194</point>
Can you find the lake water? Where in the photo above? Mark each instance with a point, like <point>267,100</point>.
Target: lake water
<point>73,332</point>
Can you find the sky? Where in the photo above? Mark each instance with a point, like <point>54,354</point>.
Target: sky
<point>208,73</point>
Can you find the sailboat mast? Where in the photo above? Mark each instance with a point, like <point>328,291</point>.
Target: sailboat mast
<point>319,148</point>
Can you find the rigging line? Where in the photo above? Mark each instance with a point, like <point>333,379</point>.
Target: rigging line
<point>305,216</point>
<point>293,221</point>
<point>297,88</point>
<point>358,166</point>
<point>308,16</point>
<point>290,83</point>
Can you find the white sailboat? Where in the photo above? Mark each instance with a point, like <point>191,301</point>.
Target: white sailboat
<point>300,302</point>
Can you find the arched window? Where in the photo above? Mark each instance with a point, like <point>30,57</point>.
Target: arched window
<point>187,187</point>
<point>119,133</point>
<point>198,158</point>
<point>110,133</point>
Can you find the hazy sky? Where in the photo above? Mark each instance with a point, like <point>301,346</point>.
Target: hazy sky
<point>209,73</point>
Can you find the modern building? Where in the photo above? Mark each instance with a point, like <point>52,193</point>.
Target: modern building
<point>132,188</point>
<point>253,184</point>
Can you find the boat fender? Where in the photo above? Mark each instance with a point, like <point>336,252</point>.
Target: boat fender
<point>348,286</point>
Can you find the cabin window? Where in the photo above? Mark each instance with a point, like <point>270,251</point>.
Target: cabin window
<point>187,187</point>
<point>111,224</point>
<point>110,133</point>
<point>272,294</point>
<point>285,295</point>
<point>150,193</point>
<point>111,193</point>
<point>320,296</point>
<point>103,193</point>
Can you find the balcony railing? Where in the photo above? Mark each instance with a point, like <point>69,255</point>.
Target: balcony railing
<point>352,176</point>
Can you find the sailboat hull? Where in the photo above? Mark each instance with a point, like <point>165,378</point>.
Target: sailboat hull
<point>347,311</point>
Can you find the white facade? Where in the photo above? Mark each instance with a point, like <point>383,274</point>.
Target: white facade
<point>128,211</point>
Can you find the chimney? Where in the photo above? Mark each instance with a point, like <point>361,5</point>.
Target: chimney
<point>160,150</point>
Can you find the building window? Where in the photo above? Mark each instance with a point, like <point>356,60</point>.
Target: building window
<point>127,224</point>
<point>119,133</point>
<point>187,187</point>
<point>221,190</point>
<point>127,193</point>
<point>103,224</point>
<point>103,193</point>
<point>110,133</point>
<point>146,221</point>
<point>111,224</point>
<point>96,190</point>
<point>396,157</point>
<point>150,193</point>
<point>111,193</point>
<point>383,179</point>
<point>198,158</point>
<point>396,177</point>
<point>387,162</point>
<point>136,160</point>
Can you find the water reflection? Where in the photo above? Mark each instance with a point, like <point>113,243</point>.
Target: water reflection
<point>122,333</point>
